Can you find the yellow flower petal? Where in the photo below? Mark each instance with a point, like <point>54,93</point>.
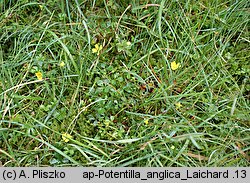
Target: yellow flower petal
<point>97,49</point>
<point>97,46</point>
<point>66,137</point>
<point>174,66</point>
<point>146,121</point>
<point>94,50</point>
<point>39,75</point>
<point>62,64</point>
<point>178,105</point>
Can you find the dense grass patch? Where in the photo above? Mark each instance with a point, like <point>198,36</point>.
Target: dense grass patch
<point>124,83</point>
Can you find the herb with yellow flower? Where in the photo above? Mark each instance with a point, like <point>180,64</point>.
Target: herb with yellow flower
<point>146,121</point>
<point>62,64</point>
<point>97,48</point>
<point>175,65</point>
<point>66,137</point>
<point>178,105</point>
<point>39,75</point>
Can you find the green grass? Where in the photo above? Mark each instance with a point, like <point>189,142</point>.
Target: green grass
<point>119,104</point>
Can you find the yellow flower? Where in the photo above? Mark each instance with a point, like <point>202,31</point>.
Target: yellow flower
<point>172,147</point>
<point>97,49</point>
<point>39,75</point>
<point>146,121</point>
<point>62,64</point>
<point>174,66</point>
<point>178,105</point>
<point>66,137</point>
<point>128,43</point>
